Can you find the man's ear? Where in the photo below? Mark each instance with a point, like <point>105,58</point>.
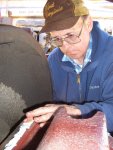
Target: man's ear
<point>89,23</point>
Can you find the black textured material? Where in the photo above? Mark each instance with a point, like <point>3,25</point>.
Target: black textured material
<point>24,76</point>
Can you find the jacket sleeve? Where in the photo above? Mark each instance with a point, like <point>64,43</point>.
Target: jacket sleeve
<point>106,103</point>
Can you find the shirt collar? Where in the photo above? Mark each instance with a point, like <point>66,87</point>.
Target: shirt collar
<point>79,67</point>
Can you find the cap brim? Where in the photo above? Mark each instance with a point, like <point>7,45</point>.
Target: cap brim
<point>59,25</point>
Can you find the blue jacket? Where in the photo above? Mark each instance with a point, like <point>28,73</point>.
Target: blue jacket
<point>95,90</point>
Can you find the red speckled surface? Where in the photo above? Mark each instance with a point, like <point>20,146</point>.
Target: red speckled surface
<point>110,142</point>
<point>67,133</point>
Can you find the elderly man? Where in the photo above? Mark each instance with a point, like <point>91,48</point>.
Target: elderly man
<point>81,65</point>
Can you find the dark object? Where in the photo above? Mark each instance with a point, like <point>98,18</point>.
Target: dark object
<point>24,77</point>
<point>110,1</point>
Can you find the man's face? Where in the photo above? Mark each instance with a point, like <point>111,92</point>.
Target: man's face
<point>81,30</point>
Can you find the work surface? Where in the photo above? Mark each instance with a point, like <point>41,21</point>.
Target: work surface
<point>67,133</point>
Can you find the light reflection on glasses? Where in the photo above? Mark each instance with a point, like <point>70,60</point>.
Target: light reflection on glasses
<point>71,38</point>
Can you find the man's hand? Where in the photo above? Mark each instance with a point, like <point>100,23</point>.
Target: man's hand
<point>43,114</point>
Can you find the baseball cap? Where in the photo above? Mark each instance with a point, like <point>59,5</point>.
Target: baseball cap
<point>62,14</point>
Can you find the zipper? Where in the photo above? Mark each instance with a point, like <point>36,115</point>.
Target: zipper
<point>79,84</point>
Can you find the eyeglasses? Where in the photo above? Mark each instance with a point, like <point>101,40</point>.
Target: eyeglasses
<point>70,38</point>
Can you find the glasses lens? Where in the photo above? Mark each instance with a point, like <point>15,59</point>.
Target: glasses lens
<point>72,38</point>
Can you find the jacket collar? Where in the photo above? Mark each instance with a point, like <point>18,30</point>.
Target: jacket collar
<point>98,38</point>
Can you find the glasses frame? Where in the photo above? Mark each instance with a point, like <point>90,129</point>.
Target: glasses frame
<point>51,40</point>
